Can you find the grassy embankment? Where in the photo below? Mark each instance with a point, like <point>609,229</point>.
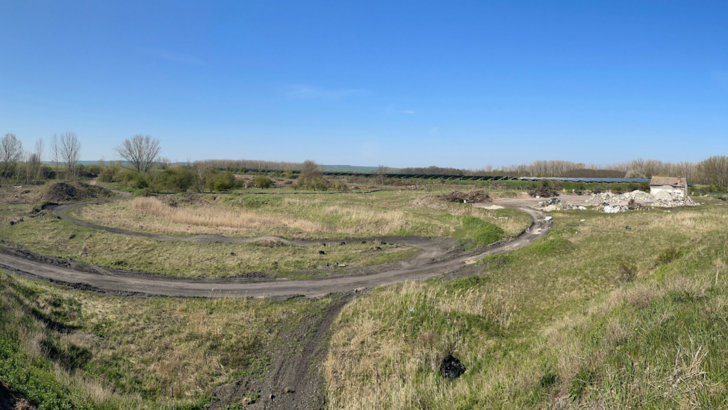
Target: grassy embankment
<point>67,349</point>
<point>594,316</point>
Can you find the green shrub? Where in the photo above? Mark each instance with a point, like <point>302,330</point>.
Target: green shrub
<point>222,181</point>
<point>139,182</point>
<point>341,186</point>
<point>262,181</point>
<point>174,179</point>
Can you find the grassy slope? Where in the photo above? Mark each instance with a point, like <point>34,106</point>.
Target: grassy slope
<point>594,315</point>
<point>59,347</point>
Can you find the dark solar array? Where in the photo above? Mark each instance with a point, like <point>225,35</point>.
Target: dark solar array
<point>475,177</point>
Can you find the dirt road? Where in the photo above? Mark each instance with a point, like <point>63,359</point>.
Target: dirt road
<point>124,283</point>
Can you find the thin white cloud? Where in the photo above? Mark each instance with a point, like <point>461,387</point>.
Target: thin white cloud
<point>171,56</point>
<point>433,130</point>
<point>397,109</point>
<point>307,92</point>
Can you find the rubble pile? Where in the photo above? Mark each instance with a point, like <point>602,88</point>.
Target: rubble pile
<point>543,192</point>
<point>572,206</point>
<point>612,203</point>
<point>478,196</point>
<point>552,204</point>
<point>668,200</point>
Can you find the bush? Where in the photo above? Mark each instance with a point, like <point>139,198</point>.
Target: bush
<point>139,182</point>
<point>262,181</point>
<point>222,181</point>
<point>175,179</point>
<point>341,186</point>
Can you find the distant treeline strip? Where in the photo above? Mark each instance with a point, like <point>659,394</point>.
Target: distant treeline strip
<point>638,168</point>
<point>251,164</point>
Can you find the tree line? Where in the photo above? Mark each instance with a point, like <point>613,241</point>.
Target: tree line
<point>711,171</point>
<point>142,153</point>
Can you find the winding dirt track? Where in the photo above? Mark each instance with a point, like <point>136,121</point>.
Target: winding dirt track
<point>114,282</point>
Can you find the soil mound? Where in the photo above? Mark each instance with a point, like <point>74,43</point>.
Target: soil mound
<point>543,192</point>
<point>478,196</point>
<point>74,191</point>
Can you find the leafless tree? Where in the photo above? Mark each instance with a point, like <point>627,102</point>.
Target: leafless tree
<point>309,171</point>
<point>202,170</point>
<point>11,150</point>
<point>70,148</point>
<point>381,174</point>
<point>141,151</point>
<point>32,166</point>
<point>39,148</point>
<point>714,171</point>
<point>56,153</point>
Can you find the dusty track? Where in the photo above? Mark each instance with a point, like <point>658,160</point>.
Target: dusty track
<point>114,282</point>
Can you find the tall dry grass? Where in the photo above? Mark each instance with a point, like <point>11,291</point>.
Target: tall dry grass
<point>201,216</point>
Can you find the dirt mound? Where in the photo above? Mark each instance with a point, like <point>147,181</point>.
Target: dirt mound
<point>74,191</point>
<point>543,192</point>
<point>478,196</point>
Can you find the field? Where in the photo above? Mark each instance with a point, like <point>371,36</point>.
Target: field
<point>607,311</point>
<point>323,216</point>
<point>307,216</point>
<point>595,316</point>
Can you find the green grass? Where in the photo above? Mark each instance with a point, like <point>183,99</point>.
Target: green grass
<point>354,215</point>
<point>68,349</point>
<point>554,324</point>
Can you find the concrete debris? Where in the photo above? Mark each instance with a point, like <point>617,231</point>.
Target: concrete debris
<point>637,200</point>
<point>548,205</point>
<point>613,209</point>
<point>572,206</point>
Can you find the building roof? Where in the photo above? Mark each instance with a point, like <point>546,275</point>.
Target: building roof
<point>677,182</point>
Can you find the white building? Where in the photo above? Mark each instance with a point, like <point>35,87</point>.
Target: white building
<point>673,185</point>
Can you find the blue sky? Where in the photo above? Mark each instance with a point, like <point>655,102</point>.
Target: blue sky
<point>463,84</point>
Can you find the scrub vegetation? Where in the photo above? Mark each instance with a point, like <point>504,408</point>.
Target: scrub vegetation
<point>594,315</point>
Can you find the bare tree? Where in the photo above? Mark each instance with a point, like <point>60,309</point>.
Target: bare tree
<point>714,171</point>
<point>309,170</point>
<point>55,153</point>
<point>32,166</point>
<point>202,170</point>
<point>11,150</point>
<point>141,151</point>
<point>381,174</point>
<point>70,147</point>
<point>39,148</point>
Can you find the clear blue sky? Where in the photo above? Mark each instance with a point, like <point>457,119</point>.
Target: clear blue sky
<point>401,83</point>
